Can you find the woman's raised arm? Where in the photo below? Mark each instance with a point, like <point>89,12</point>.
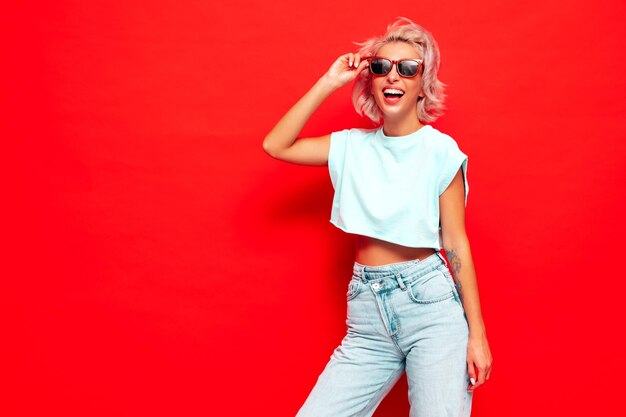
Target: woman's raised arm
<point>281,143</point>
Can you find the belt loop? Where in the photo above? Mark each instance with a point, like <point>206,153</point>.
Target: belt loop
<point>363,279</point>
<point>442,258</point>
<point>400,282</point>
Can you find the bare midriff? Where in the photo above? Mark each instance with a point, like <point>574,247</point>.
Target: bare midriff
<point>373,252</point>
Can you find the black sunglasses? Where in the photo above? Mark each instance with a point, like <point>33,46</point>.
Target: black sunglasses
<point>407,68</point>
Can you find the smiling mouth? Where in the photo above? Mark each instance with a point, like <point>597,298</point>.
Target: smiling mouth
<point>393,92</point>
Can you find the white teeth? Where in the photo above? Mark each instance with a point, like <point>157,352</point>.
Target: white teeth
<point>392,91</point>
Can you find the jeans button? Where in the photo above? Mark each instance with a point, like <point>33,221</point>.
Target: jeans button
<point>376,285</point>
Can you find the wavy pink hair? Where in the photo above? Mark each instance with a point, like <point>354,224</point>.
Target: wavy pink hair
<point>429,107</point>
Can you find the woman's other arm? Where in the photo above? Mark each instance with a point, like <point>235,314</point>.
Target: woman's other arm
<point>279,142</point>
<point>457,248</point>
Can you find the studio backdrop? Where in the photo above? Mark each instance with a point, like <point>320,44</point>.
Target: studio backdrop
<point>157,262</point>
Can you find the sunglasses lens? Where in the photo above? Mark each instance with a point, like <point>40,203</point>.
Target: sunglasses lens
<point>408,68</point>
<point>380,66</point>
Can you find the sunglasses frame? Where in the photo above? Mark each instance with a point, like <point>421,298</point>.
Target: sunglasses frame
<point>420,63</point>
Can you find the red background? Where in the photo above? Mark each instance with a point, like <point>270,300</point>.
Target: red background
<point>158,262</point>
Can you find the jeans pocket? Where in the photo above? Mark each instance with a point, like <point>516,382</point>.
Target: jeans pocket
<point>354,288</point>
<point>431,288</point>
<point>453,284</point>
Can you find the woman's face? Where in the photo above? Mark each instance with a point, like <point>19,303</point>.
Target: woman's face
<point>396,96</point>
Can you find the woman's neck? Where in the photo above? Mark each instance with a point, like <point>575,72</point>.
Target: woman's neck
<point>401,127</point>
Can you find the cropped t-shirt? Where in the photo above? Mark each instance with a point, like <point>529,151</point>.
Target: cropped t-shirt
<point>388,187</point>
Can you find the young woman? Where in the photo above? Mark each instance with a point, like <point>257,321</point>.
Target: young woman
<point>401,189</point>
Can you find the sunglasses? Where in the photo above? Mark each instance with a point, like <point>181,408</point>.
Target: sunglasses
<point>407,68</point>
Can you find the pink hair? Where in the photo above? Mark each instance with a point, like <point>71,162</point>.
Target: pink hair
<point>429,107</point>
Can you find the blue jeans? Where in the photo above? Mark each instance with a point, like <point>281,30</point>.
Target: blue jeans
<point>405,316</point>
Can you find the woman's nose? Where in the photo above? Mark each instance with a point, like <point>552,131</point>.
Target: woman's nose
<point>393,74</point>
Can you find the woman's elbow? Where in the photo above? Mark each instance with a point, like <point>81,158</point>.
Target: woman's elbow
<point>267,147</point>
<point>455,239</point>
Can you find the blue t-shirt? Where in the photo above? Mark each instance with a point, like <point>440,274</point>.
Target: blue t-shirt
<point>388,187</point>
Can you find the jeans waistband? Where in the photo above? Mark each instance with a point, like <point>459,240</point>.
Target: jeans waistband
<point>399,269</point>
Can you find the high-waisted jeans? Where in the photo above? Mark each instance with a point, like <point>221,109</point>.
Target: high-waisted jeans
<point>405,316</point>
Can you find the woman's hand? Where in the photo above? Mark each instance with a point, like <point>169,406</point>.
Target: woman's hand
<point>478,361</point>
<point>345,69</point>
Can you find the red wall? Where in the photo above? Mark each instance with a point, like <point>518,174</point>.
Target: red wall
<point>158,262</point>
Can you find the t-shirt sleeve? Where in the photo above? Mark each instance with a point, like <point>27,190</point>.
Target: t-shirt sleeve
<point>453,159</point>
<point>337,154</point>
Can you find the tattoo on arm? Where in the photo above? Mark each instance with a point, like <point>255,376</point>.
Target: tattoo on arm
<point>455,267</point>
